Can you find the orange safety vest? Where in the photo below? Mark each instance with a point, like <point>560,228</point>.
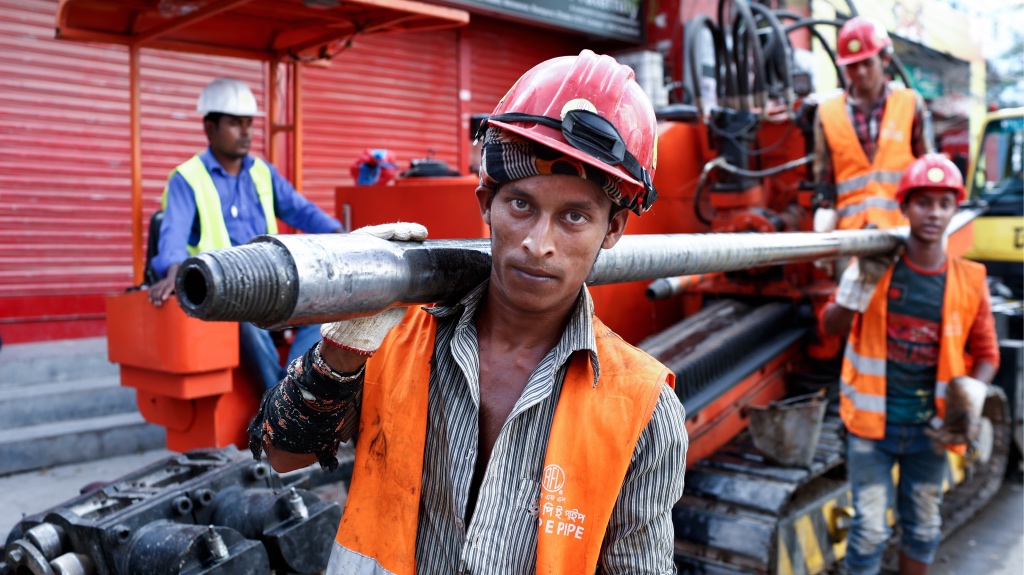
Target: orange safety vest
<point>866,189</point>
<point>378,528</point>
<point>862,385</point>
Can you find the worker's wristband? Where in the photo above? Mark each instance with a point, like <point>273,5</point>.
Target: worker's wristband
<point>327,371</point>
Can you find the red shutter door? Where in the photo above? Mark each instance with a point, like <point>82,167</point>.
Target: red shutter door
<point>65,231</point>
<point>391,91</point>
<point>502,52</point>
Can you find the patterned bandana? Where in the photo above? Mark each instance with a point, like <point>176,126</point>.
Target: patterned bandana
<point>506,157</point>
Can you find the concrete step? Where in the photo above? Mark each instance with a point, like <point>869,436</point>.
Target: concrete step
<point>55,443</point>
<point>40,403</point>
<point>54,361</point>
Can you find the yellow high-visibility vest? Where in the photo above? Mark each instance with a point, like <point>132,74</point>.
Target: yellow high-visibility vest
<point>213,232</point>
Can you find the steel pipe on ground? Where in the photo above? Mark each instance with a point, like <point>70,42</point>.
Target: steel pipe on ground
<point>284,280</point>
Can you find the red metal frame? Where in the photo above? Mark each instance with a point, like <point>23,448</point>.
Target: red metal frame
<point>204,404</point>
<point>203,31</point>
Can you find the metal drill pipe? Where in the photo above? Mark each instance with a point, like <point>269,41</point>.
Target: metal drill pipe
<point>663,288</point>
<point>286,280</point>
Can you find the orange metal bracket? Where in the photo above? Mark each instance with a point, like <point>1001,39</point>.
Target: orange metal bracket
<point>185,371</point>
<point>199,15</point>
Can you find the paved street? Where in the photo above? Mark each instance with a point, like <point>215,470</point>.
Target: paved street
<point>992,543</point>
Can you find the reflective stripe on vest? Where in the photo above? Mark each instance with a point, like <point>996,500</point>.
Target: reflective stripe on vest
<point>378,530</point>
<point>866,205</point>
<point>213,232</point>
<point>862,385</point>
<point>866,188</point>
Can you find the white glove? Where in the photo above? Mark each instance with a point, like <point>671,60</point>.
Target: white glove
<point>855,291</point>
<point>398,231</point>
<point>857,284</point>
<point>825,220</point>
<point>362,335</point>
<point>965,398</point>
<point>365,334</point>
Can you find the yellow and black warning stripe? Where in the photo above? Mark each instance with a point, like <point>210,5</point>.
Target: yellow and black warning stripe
<point>812,539</point>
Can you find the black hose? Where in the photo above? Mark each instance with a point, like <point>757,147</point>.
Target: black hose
<point>723,75</point>
<point>780,37</point>
<point>898,65</point>
<point>754,44</point>
<point>730,64</point>
<point>788,14</point>
<point>810,24</point>
<point>698,209</point>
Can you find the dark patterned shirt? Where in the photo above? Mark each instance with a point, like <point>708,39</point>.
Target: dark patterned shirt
<point>913,326</point>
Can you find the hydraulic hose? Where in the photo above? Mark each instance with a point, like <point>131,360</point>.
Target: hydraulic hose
<point>779,38</point>
<point>721,163</point>
<point>725,85</point>
<point>756,94</point>
<point>810,24</point>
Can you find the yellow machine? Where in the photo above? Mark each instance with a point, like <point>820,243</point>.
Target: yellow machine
<point>997,176</point>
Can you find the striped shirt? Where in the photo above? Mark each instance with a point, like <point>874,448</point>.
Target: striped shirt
<point>502,535</point>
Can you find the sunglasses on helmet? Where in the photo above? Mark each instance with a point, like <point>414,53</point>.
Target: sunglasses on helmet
<point>590,133</point>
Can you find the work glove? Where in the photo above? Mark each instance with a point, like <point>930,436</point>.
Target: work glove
<point>965,398</point>
<point>825,220</point>
<point>365,334</point>
<point>858,282</point>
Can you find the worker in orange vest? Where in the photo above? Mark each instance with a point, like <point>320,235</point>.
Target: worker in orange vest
<point>866,137</point>
<point>921,351</point>
<point>511,432</point>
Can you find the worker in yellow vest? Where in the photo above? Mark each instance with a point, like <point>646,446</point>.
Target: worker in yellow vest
<point>922,344</point>
<point>224,197</point>
<point>866,137</point>
<point>511,432</point>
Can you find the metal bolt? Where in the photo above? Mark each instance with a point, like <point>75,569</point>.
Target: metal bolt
<point>296,505</point>
<point>123,533</point>
<point>16,556</point>
<point>218,550</point>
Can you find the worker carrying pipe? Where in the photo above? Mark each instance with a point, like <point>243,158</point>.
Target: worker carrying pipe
<point>906,377</point>
<point>867,136</point>
<point>510,427</point>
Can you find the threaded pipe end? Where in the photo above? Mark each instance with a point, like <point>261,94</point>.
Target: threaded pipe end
<point>256,282</point>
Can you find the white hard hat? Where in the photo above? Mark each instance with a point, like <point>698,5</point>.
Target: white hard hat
<point>227,96</point>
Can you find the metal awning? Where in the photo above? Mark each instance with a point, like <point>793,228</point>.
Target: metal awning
<point>279,31</point>
<point>257,29</point>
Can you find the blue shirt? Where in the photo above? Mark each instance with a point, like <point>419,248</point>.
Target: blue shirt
<point>240,207</point>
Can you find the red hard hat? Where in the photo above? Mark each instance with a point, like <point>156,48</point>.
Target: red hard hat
<point>575,104</point>
<point>860,39</point>
<point>931,171</point>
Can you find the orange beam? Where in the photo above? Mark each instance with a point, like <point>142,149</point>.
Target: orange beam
<point>271,111</point>
<point>66,33</point>
<point>203,13</point>
<point>210,49</point>
<point>298,48</point>
<point>297,126</point>
<point>464,52</point>
<point>135,112</point>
